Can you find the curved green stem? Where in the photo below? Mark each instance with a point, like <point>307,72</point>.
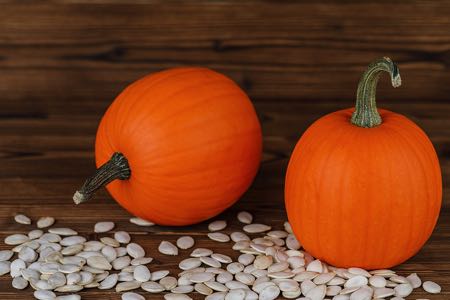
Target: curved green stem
<point>366,113</point>
<point>116,168</point>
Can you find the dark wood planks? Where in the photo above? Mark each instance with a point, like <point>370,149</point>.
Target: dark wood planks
<point>62,63</point>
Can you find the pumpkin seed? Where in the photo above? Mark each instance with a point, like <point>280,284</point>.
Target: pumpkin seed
<point>256,228</point>
<point>141,273</point>
<point>141,261</point>
<point>22,219</point>
<point>135,250</point>
<point>217,225</point>
<point>189,263</point>
<point>99,262</point>
<point>72,278</point>
<point>199,252</point>
<point>217,286</point>
<point>431,287</point>
<point>127,286</point>
<point>380,293</point>
<point>141,222</point>
<point>245,217</point>
<point>102,227</point>
<point>210,262</point>
<point>63,231</point>
<point>183,289</point>
<point>167,248</point>
<point>6,255</point>
<point>219,237</point>
<point>414,280</point>
<point>172,296</point>
<point>19,283</point>
<point>121,262</point>
<point>44,295</point>
<point>168,282</point>
<point>16,266</point>
<point>213,296</point>
<point>269,293</point>
<point>69,297</point>
<point>16,239</point>
<point>152,287</point>
<point>132,296</point>
<point>122,237</point>
<point>110,242</point>
<point>202,289</point>
<point>45,222</point>
<point>185,242</point>
<point>157,275</point>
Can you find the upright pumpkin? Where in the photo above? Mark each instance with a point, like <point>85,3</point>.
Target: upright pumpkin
<point>363,186</point>
<point>185,144</point>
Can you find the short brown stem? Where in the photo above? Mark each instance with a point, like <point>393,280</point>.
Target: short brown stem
<point>116,168</point>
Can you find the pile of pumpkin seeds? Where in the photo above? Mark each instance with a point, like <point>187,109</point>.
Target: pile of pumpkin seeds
<point>270,264</point>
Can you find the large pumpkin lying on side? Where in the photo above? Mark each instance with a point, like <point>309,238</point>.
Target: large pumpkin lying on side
<point>185,142</point>
<point>363,187</point>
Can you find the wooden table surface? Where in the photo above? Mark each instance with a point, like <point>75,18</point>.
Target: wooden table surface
<point>62,63</point>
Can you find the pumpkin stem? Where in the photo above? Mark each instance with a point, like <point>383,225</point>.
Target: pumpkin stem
<point>366,113</point>
<point>116,168</point>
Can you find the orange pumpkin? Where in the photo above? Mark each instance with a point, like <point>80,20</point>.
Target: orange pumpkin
<point>185,143</point>
<point>363,187</point>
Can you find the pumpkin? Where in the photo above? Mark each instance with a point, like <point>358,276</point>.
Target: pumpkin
<point>177,147</point>
<point>363,186</point>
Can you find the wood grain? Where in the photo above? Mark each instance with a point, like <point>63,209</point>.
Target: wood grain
<point>63,62</point>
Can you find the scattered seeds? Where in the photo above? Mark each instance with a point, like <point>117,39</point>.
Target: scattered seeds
<point>22,219</point>
<point>219,237</point>
<point>101,227</point>
<point>167,248</point>
<point>256,228</point>
<point>185,242</point>
<point>431,287</point>
<point>217,225</point>
<point>141,222</point>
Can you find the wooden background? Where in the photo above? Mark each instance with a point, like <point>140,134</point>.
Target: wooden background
<point>63,62</point>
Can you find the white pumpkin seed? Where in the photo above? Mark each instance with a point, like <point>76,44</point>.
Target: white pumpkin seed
<point>152,287</point>
<point>110,241</point>
<point>72,240</point>
<point>141,273</point>
<point>200,252</point>
<point>213,296</point>
<point>44,295</point>
<point>414,280</point>
<point>19,283</point>
<point>167,248</point>
<point>216,286</point>
<point>157,275</point>
<point>69,297</point>
<point>16,239</point>
<point>132,296</point>
<point>35,234</point>
<point>122,237</point>
<point>269,293</point>
<point>135,250</point>
<point>381,293</point>
<point>127,286</point>
<point>202,289</point>
<point>121,262</point>
<point>377,281</point>
<point>141,261</point>
<point>256,228</point>
<point>16,267</point>
<point>99,262</point>
<point>45,222</point>
<point>63,231</point>
<point>262,262</point>
<point>217,225</point>
<point>72,278</point>
<point>356,281</point>
<point>245,217</point>
<point>185,242</point>
<point>102,227</point>
<point>173,296</point>
<point>182,289</point>
<point>141,222</point>
<point>168,282</point>
<point>189,263</point>
<point>219,237</point>
<point>5,267</point>
<point>431,287</point>
<point>67,269</point>
<point>224,277</point>
<point>22,219</point>
<point>210,262</point>
<point>6,255</point>
<point>222,258</point>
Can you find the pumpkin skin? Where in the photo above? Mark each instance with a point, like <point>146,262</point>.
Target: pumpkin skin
<point>363,197</point>
<point>192,140</point>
